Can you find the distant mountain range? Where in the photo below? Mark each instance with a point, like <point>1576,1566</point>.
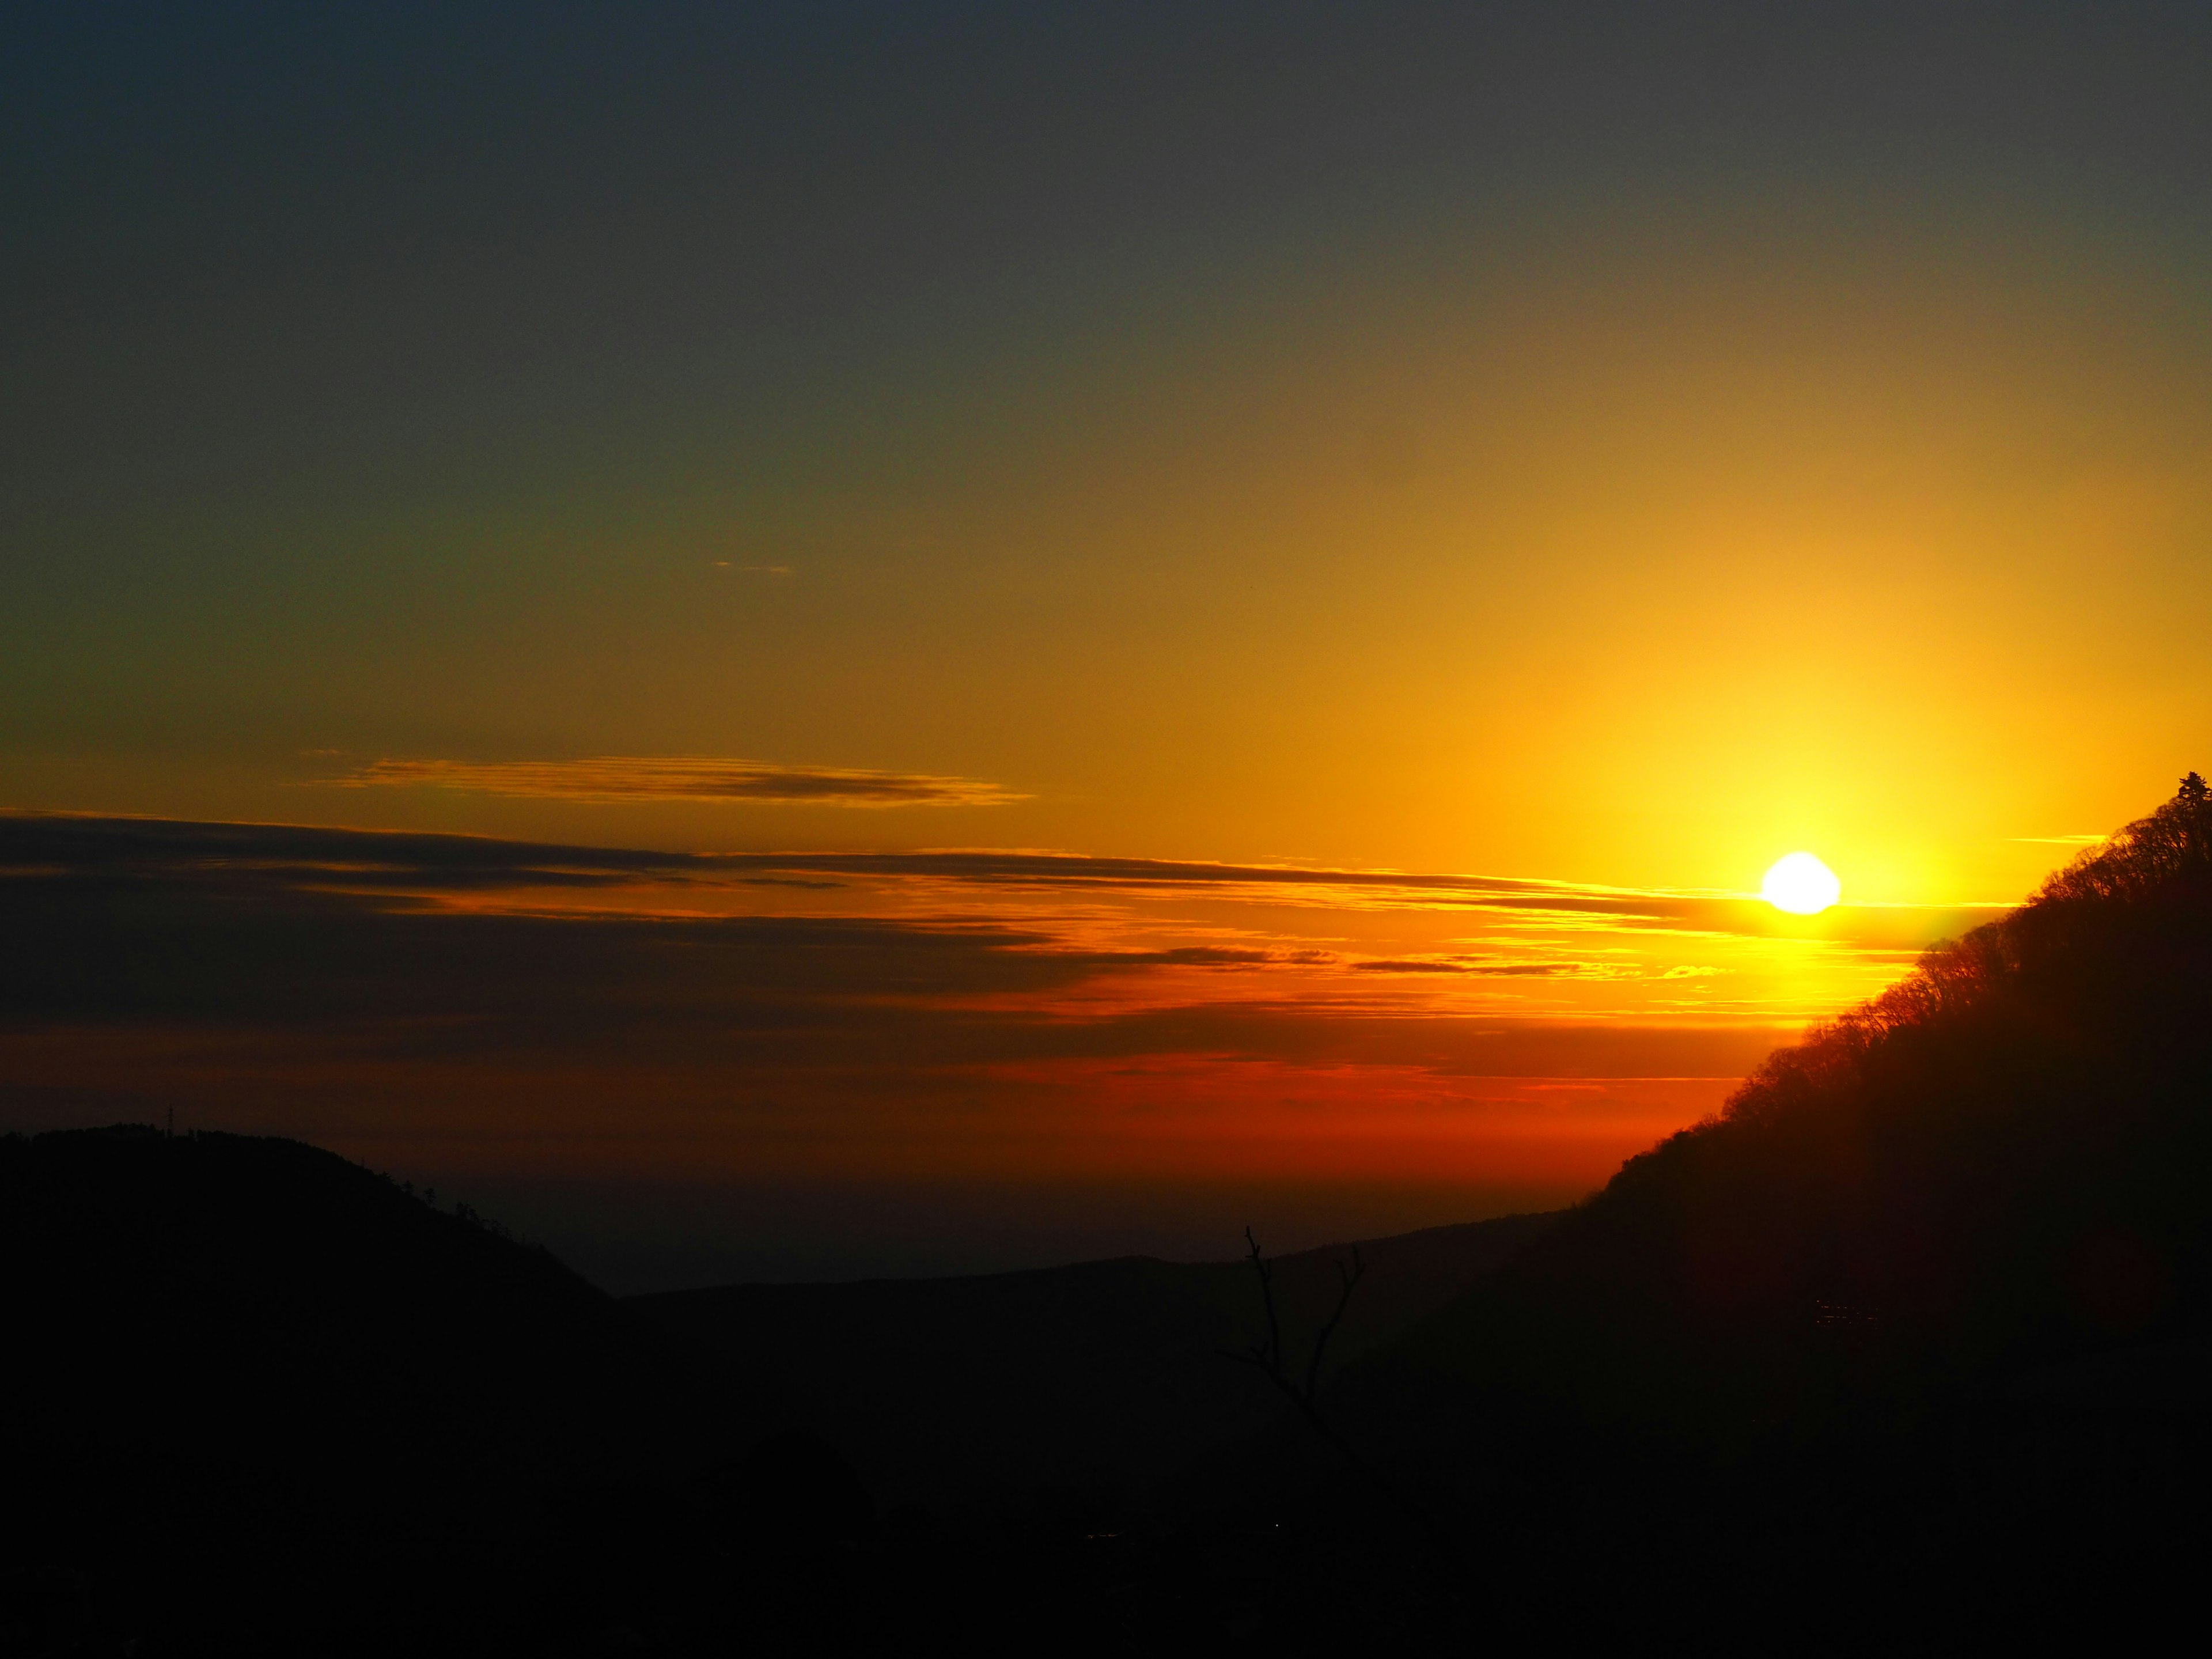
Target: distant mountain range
<point>1108,1376</point>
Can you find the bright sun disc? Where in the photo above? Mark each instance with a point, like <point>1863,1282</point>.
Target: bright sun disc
<point>1801,884</point>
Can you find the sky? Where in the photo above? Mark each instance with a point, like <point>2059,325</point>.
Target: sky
<point>786,642</point>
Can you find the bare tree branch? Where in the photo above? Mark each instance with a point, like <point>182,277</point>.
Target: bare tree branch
<point>1349,1281</point>
<point>1304,1394</point>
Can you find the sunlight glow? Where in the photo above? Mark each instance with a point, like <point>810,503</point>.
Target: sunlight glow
<point>1801,884</point>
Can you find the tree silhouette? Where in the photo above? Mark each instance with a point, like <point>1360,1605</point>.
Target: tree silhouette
<point>1267,1357</point>
<point>1303,1391</point>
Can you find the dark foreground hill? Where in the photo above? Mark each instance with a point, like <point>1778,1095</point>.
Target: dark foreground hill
<point>1919,1322</point>
<point>260,1396</point>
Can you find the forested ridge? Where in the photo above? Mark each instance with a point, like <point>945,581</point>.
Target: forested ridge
<point>1922,1309</point>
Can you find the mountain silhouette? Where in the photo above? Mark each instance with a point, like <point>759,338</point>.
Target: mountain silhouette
<point>256,1384</point>
<point>1097,1380</point>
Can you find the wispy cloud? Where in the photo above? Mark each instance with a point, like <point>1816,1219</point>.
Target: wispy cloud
<point>1450,966</point>
<point>1511,915</point>
<point>381,944</point>
<point>680,777</point>
<point>1553,906</point>
<point>2061,841</point>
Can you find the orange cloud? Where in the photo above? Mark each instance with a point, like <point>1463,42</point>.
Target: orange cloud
<point>681,777</point>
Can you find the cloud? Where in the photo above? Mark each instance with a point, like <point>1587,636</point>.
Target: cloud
<point>1211,956</point>
<point>1536,969</point>
<point>680,777</point>
<point>1551,904</point>
<point>950,880</point>
<point>85,846</point>
<point>465,943</point>
<point>1089,906</point>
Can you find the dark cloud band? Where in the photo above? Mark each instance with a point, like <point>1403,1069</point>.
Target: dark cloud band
<point>700,778</point>
<point>389,940</point>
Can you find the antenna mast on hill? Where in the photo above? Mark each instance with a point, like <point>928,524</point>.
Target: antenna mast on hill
<point>172,1135</point>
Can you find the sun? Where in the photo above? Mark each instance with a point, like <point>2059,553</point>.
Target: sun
<point>1801,884</point>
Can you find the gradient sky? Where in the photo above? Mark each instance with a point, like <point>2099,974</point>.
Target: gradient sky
<point>1560,457</point>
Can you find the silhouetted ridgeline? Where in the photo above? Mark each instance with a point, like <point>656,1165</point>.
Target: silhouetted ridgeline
<point>1099,1380</point>
<point>253,1387</point>
<point>1922,1314</point>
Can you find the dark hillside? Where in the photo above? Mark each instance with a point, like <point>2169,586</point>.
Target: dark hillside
<point>219,1279</point>
<point>247,1375</point>
<point>1931,1278</point>
<point>1105,1377</point>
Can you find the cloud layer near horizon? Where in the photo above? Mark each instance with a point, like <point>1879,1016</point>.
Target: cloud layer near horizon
<point>679,777</point>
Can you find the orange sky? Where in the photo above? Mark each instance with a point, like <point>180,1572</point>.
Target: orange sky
<point>1564,460</point>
